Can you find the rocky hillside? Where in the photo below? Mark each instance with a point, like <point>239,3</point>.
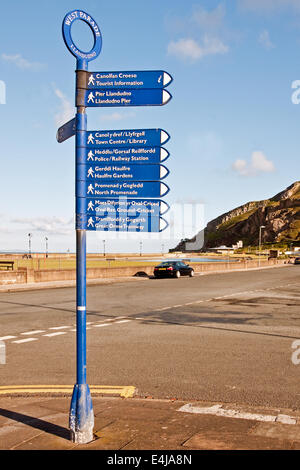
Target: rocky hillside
<point>280,215</point>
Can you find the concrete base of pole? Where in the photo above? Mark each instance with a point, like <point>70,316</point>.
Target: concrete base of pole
<point>81,418</point>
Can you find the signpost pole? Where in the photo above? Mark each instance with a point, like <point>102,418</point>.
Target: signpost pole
<point>81,419</point>
<point>151,93</point>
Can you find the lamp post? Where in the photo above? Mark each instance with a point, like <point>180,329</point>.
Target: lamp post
<point>103,247</point>
<point>29,245</point>
<point>46,240</point>
<point>259,241</point>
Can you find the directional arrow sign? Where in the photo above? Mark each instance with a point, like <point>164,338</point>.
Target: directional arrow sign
<point>130,189</point>
<point>121,223</point>
<point>122,97</point>
<point>66,131</point>
<point>125,172</point>
<point>131,80</point>
<point>126,138</point>
<point>125,155</point>
<point>124,206</point>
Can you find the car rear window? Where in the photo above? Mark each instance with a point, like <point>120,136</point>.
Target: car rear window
<point>167,263</point>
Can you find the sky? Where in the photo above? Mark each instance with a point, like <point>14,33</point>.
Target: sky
<point>234,116</point>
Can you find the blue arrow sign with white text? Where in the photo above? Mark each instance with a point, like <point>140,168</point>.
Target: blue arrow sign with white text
<point>125,155</point>
<point>128,207</point>
<point>123,97</point>
<point>130,189</point>
<point>123,172</point>
<point>126,138</point>
<point>131,80</point>
<point>121,223</point>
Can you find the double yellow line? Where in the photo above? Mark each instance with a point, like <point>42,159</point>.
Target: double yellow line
<point>123,391</point>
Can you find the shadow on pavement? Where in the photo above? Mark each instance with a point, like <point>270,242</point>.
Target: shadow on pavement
<point>37,423</point>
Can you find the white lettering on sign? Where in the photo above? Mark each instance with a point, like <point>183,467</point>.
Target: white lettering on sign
<point>83,16</point>
<point>71,17</point>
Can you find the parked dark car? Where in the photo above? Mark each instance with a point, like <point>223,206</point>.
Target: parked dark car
<point>297,261</point>
<point>173,269</point>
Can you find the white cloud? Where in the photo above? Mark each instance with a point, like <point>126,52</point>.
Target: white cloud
<point>21,63</point>
<point>202,34</point>
<point>258,164</point>
<point>265,41</point>
<point>209,20</point>
<point>66,111</point>
<point>188,48</point>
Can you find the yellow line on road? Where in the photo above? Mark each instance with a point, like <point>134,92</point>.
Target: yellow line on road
<point>124,391</point>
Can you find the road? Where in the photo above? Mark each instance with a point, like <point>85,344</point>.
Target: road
<point>219,337</point>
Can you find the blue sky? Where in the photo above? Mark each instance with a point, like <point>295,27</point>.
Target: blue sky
<point>234,128</point>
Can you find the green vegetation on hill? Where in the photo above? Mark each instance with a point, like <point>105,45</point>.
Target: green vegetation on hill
<point>280,215</point>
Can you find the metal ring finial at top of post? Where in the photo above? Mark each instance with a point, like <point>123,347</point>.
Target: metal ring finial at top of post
<point>82,57</point>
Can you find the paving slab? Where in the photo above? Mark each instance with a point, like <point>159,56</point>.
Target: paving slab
<point>132,424</point>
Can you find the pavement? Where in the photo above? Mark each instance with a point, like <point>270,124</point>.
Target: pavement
<point>29,422</point>
<point>62,284</point>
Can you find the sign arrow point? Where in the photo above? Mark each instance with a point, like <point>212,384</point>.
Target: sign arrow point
<point>164,137</point>
<point>164,189</point>
<point>164,207</point>
<point>163,171</point>
<point>164,154</point>
<point>166,96</point>
<point>167,79</point>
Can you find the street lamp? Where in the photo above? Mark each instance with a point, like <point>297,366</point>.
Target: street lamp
<point>259,248</point>
<point>46,240</point>
<point>103,247</point>
<point>29,245</point>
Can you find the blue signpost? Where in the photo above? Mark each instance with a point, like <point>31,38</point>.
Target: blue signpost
<point>119,177</point>
<point>81,417</point>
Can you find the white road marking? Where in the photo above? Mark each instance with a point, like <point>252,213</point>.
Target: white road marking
<point>113,320</point>
<point>56,334</point>
<point>25,340</point>
<point>218,410</point>
<point>59,327</point>
<point>33,332</point>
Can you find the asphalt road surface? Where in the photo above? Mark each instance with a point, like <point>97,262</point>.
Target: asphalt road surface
<point>220,337</point>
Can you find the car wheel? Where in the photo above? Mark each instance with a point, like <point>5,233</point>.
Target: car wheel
<point>192,273</point>
<point>177,274</point>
